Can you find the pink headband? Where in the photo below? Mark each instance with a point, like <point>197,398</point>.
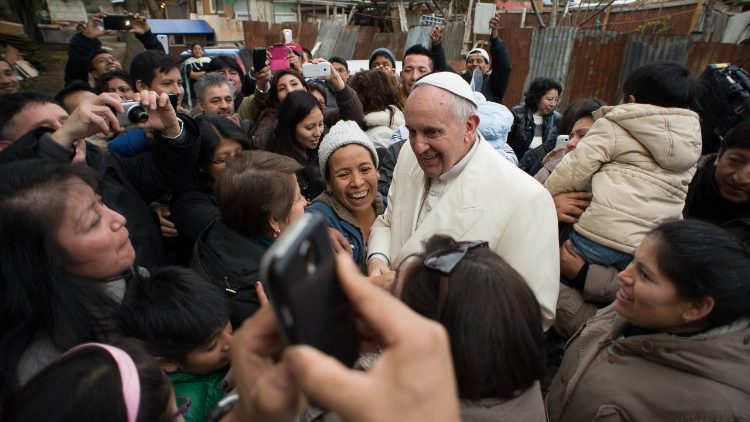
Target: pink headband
<point>130,383</point>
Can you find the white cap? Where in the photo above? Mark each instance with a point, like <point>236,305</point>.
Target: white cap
<point>481,51</point>
<point>450,82</point>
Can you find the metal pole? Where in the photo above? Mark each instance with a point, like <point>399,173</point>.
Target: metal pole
<point>467,25</point>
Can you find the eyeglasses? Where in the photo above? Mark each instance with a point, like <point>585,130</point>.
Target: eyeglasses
<point>446,260</point>
<point>183,404</point>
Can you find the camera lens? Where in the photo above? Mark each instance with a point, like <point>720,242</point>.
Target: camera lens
<point>137,114</point>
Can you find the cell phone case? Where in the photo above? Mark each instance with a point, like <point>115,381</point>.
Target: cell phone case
<point>278,58</point>
<point>299,272</point>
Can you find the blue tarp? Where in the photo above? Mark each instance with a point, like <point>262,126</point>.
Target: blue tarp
<point>180,27</point>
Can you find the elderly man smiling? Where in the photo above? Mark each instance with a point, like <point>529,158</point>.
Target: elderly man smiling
<point>450,181</point>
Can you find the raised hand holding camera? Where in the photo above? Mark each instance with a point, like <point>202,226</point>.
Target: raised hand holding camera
<point>161,115</point>
<point>91,117</point>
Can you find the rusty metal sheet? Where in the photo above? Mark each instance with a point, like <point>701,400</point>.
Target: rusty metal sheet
<point>669,20</point>
<point>419,34</point>
<point>345,43</point>
<point>255,33</point>
<point>701,54</point>
<point>329,33</point>
<point>550,54</point>
<point>364,40</point>
<point>595,66</point>
<point>518,41</point>
<point>260,34</point>
<point>304,33</point>
<point>642,49</point>
<point>393,41</point>
<point>453,41</point>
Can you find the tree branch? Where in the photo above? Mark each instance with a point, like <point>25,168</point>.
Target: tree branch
<point>538,15</point>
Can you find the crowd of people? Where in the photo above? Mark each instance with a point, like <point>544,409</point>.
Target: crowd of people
<point>503,264</point>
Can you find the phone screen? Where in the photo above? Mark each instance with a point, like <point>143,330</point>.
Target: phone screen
<point>299,273</point>
<point>117,22</point>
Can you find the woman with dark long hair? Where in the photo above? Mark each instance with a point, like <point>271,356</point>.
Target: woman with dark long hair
<point>95,382</point>
<point>298,135</point>
<point>674,344</point>
<point>285,82</point>
<point>65,265</point>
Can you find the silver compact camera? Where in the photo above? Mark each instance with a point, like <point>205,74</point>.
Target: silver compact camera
<point>133,112</point>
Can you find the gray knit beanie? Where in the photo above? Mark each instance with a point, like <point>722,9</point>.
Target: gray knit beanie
<point>382,52</point>
<point>343,133</point>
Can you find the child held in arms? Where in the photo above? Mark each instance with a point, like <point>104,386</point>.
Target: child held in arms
<point>637,159</point>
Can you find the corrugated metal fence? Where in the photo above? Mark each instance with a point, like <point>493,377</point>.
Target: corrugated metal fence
<point>595,63</point>
<point>587,62</point>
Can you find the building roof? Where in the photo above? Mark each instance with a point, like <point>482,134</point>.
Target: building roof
<point>180,26</point>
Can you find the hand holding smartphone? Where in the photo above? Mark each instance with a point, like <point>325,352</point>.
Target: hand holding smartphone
<point>259,58</point>
<point>287,36</point>
<point>299,271</point>
<point>316,70</point>
<point>117,22</point>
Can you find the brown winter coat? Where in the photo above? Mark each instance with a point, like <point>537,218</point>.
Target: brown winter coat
<point>652,377</point>
<point>575,307</point>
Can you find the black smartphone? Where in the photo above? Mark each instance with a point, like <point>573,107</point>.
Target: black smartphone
<point>299,273</point>
<point>173,100</point>
<point>259,58</point>
<point>117,22</point>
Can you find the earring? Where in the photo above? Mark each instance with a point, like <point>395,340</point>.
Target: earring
<point>276,234</point>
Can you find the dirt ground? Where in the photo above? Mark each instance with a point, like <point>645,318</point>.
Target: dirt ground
<point>53,58</point>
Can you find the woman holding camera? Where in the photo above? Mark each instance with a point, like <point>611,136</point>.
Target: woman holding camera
<point>351,201</point>
<point>130,183</point>
<point>287,81</point>
<point>674,345</point>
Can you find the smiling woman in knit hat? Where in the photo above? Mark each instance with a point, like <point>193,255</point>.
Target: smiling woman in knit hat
<point>351,202</point>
